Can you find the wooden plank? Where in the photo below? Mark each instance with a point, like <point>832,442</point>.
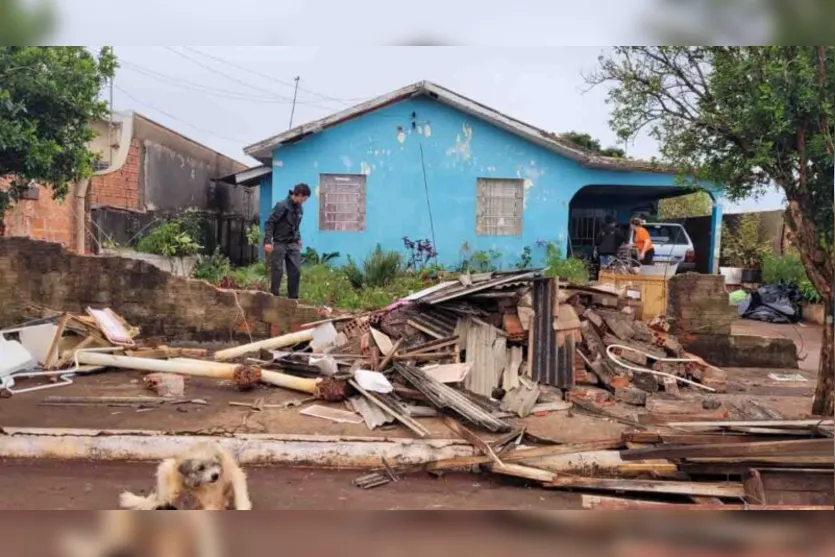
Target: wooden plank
<point>471,438</point>
<point>691,439</point>
<point>798,448</point>
<point>707,489</point>
<point>518,455</point>
<point>600,502</point>
<point>52,355</point>
<point>803,424</point>
<point>524,472</point>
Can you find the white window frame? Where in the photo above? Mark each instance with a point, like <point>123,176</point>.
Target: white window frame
<point>500,206</point>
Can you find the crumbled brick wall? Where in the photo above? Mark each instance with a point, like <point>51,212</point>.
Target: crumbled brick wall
<point>698,304</point>
<point>119,188</point>
<point>42,273</point>
<point>44,218</point>
<point>743,350</point>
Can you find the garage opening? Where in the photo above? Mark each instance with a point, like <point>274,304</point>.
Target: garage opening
<point>689,245</point>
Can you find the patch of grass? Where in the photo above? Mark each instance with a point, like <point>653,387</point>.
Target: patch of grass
<point>329,286</point>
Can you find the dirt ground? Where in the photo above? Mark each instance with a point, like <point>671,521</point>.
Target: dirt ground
<point>57,485</point>
<point>792,399</point>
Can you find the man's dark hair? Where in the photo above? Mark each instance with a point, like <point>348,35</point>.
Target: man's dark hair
<point>610,219</point>
<point>302,190</point>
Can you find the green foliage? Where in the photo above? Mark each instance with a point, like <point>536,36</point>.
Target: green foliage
<point>253,235</point>
<point>742,246</point>
<point>252,277</point>
<point>525,258</point>
<point>330,286</point>
<point>589,143</point>
<point>174,238</point>
<point>748,118</point>
<point>312,257</point>
<point>479,261</point>
<point>48,97</point>
<point>696,204</point>
<point>572,269</point>
<point>25,23</point>
<point>213,268</point>
<point>786,269</point>
<point>381,267</point>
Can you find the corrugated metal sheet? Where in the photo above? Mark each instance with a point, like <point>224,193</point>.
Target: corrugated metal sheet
<point>460,291</point>
<point>487,352</point>
<point>553,352</point>
<point>439,324</point>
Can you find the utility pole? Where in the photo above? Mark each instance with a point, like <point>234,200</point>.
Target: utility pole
<point>295,93</point>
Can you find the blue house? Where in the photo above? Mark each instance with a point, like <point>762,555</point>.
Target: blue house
<point>426,162</point>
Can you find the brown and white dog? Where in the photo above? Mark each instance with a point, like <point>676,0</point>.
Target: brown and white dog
<point>206,477</point>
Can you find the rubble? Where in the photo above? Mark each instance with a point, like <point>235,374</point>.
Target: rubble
<point>479,353</point>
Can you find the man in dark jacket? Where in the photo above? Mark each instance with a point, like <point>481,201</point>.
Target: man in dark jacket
<point>609,239</point>
<point>282,240</point>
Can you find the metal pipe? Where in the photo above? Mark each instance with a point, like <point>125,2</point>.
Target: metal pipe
<point>269,344</point>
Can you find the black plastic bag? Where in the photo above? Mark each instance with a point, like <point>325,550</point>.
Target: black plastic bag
<point>774,303</point>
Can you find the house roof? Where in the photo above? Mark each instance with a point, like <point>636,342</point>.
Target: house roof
<point>262,150</point>
<point>250,177</point>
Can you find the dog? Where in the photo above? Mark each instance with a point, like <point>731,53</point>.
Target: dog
<point>206,477</point>
<point>138,534</point>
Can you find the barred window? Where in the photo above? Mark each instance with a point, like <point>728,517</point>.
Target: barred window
<point>499,207</point>
<point>342,202</point>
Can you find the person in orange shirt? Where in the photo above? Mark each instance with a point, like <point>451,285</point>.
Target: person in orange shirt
<point>642,241</point>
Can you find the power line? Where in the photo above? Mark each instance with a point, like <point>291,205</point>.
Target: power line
<point>193,86</point>
<point>178,119</point>
<point>273,78</point>
<point>242,82</point>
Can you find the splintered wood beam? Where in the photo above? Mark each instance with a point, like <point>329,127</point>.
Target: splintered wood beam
<point>798,448</point>
<point>705,489</point>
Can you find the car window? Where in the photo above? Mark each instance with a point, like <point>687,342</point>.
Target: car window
<point>661,234</point>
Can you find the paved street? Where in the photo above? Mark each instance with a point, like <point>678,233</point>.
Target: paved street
<point>47,485</point>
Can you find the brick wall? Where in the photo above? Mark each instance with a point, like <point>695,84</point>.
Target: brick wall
<point>33,272</point>
<point>699,304</point>
<point>44,218</point>
<point>119,188</point>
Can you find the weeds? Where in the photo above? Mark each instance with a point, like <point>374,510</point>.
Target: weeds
<point>381,267</point>
<point>572,269</point>
<point>312,257</point>
<point>213,268</point>
<point>418,253</point>
<point>176,238</point>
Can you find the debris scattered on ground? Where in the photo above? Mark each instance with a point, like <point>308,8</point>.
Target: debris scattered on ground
<point>479,353</point>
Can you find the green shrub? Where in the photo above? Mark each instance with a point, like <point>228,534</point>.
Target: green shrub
<point>213,268</point>
<point>381,267</point>
<point>353,273</point>
<point>253,235</point>
<point>312,257</point>
<point>252,277</point>
<point>176,238</point>
<point>786,269</point>
<point>742,247</point>
<point>572,269</point>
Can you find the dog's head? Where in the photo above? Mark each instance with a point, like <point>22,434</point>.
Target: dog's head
<point>202,466</point>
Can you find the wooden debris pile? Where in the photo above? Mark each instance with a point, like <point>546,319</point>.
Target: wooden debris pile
<point>700,464</point>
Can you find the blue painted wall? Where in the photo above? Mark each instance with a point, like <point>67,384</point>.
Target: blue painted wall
<point>457,150</point>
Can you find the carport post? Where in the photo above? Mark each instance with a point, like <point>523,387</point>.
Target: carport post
<point>715,236</point>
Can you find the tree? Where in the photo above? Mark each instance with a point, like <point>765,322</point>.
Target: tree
<point>746,118</point>
<point>24,22</point>
<point>48,97</point>
<point>589,143</point>
<point>696,204</point>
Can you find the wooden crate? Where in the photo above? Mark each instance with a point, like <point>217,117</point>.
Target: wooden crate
<point>653,291</point>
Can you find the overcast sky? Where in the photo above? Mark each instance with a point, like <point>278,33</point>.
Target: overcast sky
<point>230,96</point>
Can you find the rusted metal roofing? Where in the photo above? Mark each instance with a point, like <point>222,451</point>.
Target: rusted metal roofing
<point>552,353</point>
<point>262,150</point>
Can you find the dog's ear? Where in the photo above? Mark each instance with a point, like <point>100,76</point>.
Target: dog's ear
<point>185,467</point>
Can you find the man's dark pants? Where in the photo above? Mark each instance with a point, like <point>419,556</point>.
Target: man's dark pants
<point>290,256</point>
